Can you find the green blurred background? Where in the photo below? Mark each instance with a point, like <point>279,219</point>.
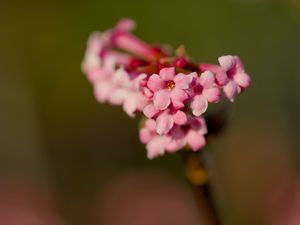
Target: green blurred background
<point>53,132</point>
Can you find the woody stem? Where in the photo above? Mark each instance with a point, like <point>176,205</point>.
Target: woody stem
<point>197,175</point>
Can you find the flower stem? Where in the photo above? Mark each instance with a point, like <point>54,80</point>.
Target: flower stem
<point>197,176</point>
<point>196,170</point>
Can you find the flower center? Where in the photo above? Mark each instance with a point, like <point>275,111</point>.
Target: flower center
<point>170,84</point>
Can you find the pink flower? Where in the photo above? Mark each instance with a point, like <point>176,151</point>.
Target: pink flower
<point>127,71</point>
<point>128,92</point>
<point>122,38</point>
<point>190,134</point>
<point>168,118</point>
<point>155,144</point>
<point>238,79</point>
<point>205,91</point>
<point>169,87</point>
<point>230,75</point>
<point>102,79</point>
<point>99,47</point>
<point>91,58</point>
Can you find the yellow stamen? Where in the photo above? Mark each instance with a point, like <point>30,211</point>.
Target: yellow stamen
<point>170,84</point>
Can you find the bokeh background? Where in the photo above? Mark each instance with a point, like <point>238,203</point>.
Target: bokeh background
<point>65,159</point>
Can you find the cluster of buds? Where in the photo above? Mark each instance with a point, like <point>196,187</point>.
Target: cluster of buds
<point>170,90</point>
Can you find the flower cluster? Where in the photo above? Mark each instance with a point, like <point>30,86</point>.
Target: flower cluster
<point>170,90</point>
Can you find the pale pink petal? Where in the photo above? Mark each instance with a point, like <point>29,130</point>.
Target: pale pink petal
<point>210,67</point>
<point>194,75</point>
<point>201,127</point>
<point>150,111</point>
<point>199,105</point>
<point>119,57</point>
<point>167,73</point>
<point>155,83</point>
<point>175,145</point>
<point>176,141</point>
<point>162,99</point>
<point>239,65</point>
<point>164,123</point>
<point>155,148</point>
<point>212,94</point>
<point>227,62</point>
<point>231,90</point>
<point>130,43</point>
<point>103,90</point>
<point>183,81</point>
<point>222,78</point>
<point>121,78</point>
<point>138,81</point>
<point>145,135</point>
<point>96,74</point>
<point>147,92</point>
<point>109,63</point>
<point>242,79</point>
<point>126,25</point>
<point>195,140</point>
<point>151,125</point>
<point>118,96</point>
<point>142,101</point>
<point>91,58</point>
<point>180,117</point>
<point>130,105</point>
<point>90,61</point>
<point>95,42</point>
<point>178,97</point>
<point>207,79</point>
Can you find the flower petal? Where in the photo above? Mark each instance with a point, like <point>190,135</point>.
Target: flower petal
<point>155,147</point>
<point>207,79</point>
<point>147,92</point>
<point>183,81</point>
<point>150,111</point>
<point>199,105</point>
<point>177,140</point>
<point>155,83</point>
<point>221,78</point>
<point>126,25</point>
<point>145,135</point>
<point>195,140</point>
<point>138,81</point>
<point>199,125</point>
<point>210,67</point>
<point>167,73</point>
<point>212,94</point>
<point>109,63</point>
<point>121,78</point>
<point>178,97</point>
<point>142,101</point>
<point>239,65</point>
<point>227,62</point>
<point>96,74</point>
<point>242,79</point>
<point>151,125</point>
<point>162,99</point>
<point>180,117</point>
<point>103,90</point>
<point>231,90</point>
<point>164,123</point>
<point>130,105</point>
<point>118,96</point>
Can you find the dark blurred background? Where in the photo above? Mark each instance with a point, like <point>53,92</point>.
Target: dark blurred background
<point>81,161</point>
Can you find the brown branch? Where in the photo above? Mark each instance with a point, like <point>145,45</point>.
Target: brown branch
<point>197,175</point>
